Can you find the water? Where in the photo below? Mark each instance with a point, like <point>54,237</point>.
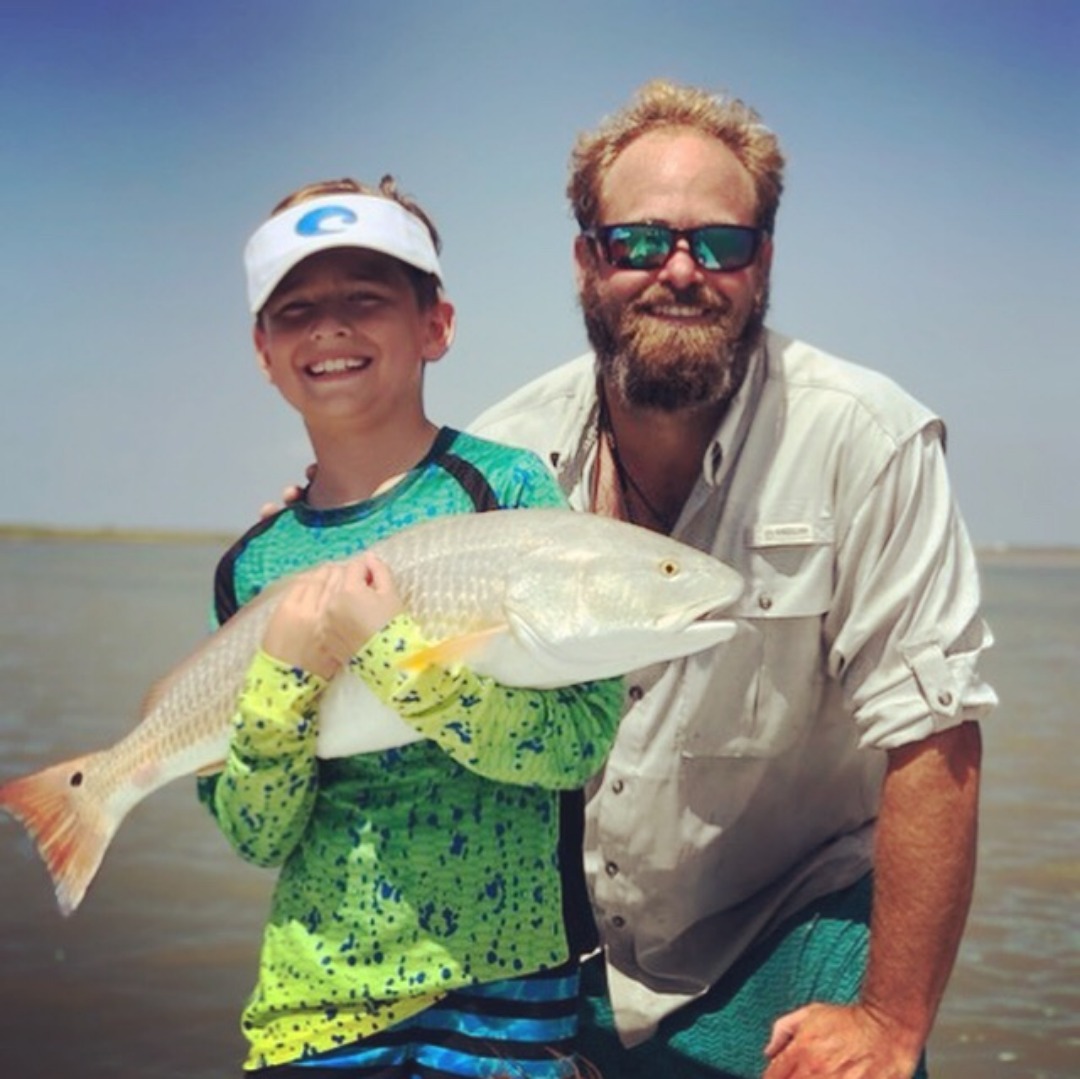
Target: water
<point>147,978</point>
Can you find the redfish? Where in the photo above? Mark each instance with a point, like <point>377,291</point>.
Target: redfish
<point>534,597</point>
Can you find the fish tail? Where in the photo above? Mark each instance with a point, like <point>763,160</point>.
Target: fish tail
<point>71,826</point>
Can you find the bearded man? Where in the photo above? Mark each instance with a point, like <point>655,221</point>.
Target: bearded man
<point>780,851</point>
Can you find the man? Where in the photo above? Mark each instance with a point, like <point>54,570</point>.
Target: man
<point>729,842</point>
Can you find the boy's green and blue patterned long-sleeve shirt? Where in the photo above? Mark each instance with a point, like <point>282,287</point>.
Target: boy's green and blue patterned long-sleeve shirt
<point>408,872</point>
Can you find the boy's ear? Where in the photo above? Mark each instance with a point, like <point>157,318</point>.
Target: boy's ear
<point>441,324</point>
<point>261,357</point>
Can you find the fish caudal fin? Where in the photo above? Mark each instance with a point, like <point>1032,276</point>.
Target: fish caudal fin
<point>71,827</point>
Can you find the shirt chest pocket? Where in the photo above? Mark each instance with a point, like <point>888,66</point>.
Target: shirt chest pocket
<point>765,685</point>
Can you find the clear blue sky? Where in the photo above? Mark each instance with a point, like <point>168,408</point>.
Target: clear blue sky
<point>930,227</point>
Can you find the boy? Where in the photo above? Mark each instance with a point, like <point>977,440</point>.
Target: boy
<point>416,926</point>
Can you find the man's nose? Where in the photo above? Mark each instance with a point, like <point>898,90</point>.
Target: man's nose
<point>681,269</point>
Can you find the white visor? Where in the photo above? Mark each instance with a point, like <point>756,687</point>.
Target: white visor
<point>314,225</point>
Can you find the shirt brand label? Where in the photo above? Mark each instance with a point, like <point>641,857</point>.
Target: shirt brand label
<point>785,535</point>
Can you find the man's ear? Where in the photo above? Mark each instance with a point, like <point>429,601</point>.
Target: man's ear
<point>441,326</point>
<point>584,259</point>
<point>258,338</point>
<point>765,254</point>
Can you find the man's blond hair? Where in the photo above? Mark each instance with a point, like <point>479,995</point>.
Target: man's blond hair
<point>661,105</point>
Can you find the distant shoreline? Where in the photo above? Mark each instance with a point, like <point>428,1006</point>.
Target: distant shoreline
<point>1028,556</point>
<point>998,554</point>
<point>54,533</point>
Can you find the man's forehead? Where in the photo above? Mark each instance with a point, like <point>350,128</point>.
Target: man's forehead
<point>680,168</point>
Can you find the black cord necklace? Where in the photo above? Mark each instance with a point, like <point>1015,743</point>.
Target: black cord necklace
<point>625,477</point>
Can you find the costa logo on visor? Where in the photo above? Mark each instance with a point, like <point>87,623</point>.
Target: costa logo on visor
<point>325,219</point>
<point>648,247</point>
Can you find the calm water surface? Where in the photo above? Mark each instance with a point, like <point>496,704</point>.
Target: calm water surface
<point>146,980</point>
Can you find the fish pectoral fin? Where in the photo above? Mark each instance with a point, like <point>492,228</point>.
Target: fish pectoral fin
<point>453,650</point>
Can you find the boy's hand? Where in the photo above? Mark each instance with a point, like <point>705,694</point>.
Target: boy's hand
<point>295,634</point>
<point>327,616</point>
<point>364,600</point>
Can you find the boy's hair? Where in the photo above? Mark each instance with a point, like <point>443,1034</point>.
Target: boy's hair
<point>660,105</point>
<point>426,286</point>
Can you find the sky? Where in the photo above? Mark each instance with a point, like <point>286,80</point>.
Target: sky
<point>929,228</point>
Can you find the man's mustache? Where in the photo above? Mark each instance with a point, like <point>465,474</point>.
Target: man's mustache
<point>705,301</point>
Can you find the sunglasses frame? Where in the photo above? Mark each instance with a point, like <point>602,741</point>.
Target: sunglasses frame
<point>601,236</point>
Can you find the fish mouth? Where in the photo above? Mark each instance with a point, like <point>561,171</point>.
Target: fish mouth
<point>702,626</point>
<point>704,630</point>
<point>704,614</point>
<point>716,627</point>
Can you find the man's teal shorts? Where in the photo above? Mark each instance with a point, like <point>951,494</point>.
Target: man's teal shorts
<point>819,954</point>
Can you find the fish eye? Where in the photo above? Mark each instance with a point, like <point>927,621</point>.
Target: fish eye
<point>669,568</point>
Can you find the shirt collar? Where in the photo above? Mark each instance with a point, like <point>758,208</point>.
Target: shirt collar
<point>732,430</point>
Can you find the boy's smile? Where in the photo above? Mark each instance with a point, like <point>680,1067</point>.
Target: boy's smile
<point>336,367</point>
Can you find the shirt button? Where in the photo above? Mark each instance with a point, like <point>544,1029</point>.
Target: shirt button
<point>618,921</point>
<point>764,602</point>
<point>635,693</point>
<point>944,698</point>
<point>618,786</point>
<point>611,869</point>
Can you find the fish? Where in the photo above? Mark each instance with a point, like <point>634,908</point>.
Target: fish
<point>535,598</point>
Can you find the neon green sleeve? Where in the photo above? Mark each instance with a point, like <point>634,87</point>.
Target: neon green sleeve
<point>552,738</point>
<point>264,797</point>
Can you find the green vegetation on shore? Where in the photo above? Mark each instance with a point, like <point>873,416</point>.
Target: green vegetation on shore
<point>25,532</point>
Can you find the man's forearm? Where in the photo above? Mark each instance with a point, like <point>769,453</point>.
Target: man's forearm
<point>924,870</point>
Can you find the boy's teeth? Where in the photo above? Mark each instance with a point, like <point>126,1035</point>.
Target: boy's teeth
<point>329,367</point>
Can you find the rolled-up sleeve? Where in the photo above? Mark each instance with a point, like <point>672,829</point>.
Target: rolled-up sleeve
<point>905,634</point>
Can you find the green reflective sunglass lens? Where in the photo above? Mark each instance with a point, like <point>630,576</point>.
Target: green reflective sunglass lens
<point>714,247</point>
<point>639,247</point>
<point>723,248</point>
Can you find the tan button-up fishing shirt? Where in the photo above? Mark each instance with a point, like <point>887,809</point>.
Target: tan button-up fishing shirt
<point>744,781</point>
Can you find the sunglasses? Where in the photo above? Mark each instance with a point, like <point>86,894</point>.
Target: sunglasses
<point>648,247</point>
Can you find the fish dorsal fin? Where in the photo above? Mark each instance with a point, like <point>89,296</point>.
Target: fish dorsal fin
<point>250,619</point>
<point>158,691</point>
<point>453,650</point>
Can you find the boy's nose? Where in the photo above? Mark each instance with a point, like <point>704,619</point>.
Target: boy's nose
<point>331,322</point>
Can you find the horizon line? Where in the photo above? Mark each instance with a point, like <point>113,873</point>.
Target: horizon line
<point>140,534</point>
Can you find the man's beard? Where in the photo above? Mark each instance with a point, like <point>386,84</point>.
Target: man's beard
<point>656,363</point>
